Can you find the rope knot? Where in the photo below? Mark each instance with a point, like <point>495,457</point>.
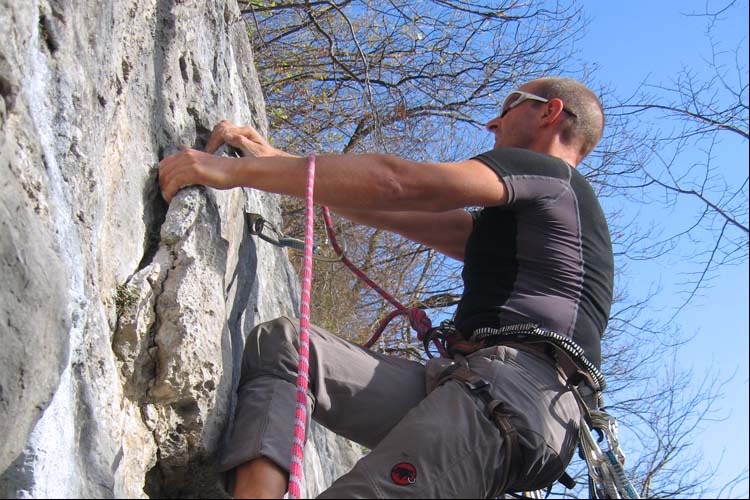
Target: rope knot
<point>419,321</point>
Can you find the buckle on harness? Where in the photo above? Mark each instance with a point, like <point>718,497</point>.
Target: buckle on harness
<point>476,385</point>
<point>471,380</point>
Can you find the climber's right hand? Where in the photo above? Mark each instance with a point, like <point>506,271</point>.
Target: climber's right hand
<point>190,167</point>
<point>246,139</point>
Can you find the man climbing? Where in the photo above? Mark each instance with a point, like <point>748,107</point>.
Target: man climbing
<point>538,272</point>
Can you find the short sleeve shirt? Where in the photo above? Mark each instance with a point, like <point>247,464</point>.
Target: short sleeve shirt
<point>544,257</point>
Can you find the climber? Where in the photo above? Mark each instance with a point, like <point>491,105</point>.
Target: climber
<point>502,413</point>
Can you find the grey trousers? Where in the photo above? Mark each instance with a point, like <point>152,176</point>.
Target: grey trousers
<point>426,441</point>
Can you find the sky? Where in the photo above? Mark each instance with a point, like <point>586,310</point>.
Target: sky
<point>651,41</point>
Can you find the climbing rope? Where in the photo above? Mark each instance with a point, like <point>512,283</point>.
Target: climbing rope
<point>300,413</point>
<point>417,317</point>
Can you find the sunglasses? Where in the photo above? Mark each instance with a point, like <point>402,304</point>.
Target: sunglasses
<point>518,96</point>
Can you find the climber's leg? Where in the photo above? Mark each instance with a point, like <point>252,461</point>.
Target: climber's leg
<point>449,447</point>
<point>355,392</point>
<point>259,478</point>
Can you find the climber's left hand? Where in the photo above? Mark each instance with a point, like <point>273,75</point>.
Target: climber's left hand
<point>246,139</point>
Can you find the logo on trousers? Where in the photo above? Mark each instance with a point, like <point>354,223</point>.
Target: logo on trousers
<point>404,474</point>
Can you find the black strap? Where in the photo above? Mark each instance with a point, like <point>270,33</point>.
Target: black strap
<point>477,386</point>
<point>567,481</point>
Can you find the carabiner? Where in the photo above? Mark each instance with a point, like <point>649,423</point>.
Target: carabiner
<point>258,225</point>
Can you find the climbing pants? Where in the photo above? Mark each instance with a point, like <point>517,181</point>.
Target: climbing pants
<point>426,440</point>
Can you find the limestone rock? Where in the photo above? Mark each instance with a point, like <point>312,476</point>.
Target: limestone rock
<point>33,300</point>
<point>122,318</point>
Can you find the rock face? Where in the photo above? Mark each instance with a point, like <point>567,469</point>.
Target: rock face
<point>122,318</point>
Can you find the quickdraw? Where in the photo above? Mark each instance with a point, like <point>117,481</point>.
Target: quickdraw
<point>607,478</point>
<point>418,319</point>
<point>260,227</point>
<point>258,224</point>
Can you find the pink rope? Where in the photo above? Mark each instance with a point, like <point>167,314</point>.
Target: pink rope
<point>300,413</point>
<point>417,318</point>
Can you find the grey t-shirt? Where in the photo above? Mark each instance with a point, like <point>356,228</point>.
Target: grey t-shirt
<point>545,257</point>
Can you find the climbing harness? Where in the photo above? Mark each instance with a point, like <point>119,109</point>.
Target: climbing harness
<point>300,413</point>
<point>607,477</point>
<point>570,356</point>
<point>535,333</point>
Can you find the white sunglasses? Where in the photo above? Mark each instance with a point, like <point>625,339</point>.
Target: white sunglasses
<point>518,96</point>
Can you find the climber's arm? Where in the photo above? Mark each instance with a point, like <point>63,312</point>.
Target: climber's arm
<point>445,232</point>
<point>421,201</point>
<point>362,182</point>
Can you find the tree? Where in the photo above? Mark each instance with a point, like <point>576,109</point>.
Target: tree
<point>415,78</point>
<point>397,77</point>
<point>692,113</point>
<point>657,168</point>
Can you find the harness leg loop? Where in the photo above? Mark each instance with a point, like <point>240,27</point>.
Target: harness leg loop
<point>493,409</point>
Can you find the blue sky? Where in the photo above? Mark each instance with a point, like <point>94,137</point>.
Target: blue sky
<point>652,40</point>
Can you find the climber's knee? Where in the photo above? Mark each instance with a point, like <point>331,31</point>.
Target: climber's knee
<point>271,349</point>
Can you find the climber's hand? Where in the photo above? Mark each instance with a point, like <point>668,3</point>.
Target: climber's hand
<point>190,167</point>
<point>246,139</point>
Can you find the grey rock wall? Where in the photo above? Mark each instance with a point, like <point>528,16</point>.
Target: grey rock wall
<point>122,318</point>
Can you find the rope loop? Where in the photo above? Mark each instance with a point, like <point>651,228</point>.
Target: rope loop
<point>419,320</point>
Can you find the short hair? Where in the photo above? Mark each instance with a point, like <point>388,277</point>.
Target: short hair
<point>587,127</point>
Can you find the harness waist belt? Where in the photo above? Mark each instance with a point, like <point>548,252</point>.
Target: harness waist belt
<point>568,355</point>
<point>543,350</point>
